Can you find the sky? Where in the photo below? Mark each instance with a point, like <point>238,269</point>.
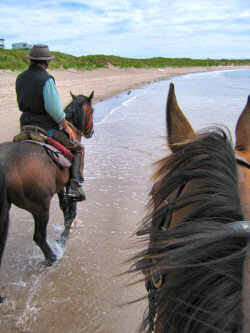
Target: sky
<point>196,29</point>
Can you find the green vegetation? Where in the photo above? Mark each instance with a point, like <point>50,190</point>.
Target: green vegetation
<point>14,60</point>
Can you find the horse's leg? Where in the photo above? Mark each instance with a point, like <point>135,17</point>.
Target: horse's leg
<point>41,221</point>
<point>68,206</point>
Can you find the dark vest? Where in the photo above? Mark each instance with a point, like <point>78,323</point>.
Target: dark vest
<point>29,90</point>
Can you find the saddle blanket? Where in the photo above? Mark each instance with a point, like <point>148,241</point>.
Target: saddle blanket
<point>55,154</point>
<point>34,134</point>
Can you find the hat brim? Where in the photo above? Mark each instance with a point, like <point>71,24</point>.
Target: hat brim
<point>39,58</point>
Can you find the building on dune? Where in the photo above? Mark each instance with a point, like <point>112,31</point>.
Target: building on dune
<point>2,43</point>
<point>22,45</point>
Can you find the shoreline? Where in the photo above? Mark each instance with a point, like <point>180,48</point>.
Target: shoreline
<point>106,83</point>
<point>124,79</point>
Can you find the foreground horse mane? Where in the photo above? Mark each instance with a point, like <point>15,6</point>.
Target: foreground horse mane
<point>214,166</point>
<point>201,262</point>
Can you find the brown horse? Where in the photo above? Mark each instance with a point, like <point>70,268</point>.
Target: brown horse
<point>29,179</point>
<point>197,260</point>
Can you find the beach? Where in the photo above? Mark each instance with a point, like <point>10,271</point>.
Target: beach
<point>86,290</point>
<point>106,83</point>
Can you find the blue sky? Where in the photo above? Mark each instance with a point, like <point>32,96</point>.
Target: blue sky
<point>136,29</point>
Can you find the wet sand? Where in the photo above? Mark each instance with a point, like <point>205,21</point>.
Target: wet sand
<point>82,292</point>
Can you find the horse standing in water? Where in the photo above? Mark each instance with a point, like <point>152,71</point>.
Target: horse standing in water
<point>197,260</point>
<point>29,178</point>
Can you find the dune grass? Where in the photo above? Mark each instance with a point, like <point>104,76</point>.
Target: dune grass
<point>14,60</point>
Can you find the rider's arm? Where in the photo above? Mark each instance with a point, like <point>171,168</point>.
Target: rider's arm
<point>53,105</point>
<point>52,101</point>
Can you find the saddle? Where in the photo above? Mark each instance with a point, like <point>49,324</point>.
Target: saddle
<point>36,135</point>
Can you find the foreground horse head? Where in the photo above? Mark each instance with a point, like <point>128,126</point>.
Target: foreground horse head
<point>197,260</point>
<point>29,179</point>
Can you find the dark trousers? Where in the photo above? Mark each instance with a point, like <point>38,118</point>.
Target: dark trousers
<point>77,149</point>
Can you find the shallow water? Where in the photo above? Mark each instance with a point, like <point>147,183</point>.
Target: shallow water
<point>83,292</point>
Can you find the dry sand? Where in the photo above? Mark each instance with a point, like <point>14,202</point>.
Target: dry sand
<point>105,82</point>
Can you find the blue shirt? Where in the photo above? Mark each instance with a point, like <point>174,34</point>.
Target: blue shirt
<point>52,101</point>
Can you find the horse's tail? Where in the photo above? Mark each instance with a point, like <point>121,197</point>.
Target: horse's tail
<point>4,213</point>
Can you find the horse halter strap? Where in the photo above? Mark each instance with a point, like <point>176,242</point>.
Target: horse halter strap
<point>90,121</point>
<point>241,161</point>
<point>240,226</point>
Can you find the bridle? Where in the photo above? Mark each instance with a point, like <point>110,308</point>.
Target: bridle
<point>88,128</point>
<point>155,281</point>
<point>241,161</point>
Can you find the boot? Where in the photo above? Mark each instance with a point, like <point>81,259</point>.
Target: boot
<point>75,190</point>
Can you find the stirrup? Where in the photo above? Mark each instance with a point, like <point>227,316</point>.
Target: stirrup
<point>76,192</point>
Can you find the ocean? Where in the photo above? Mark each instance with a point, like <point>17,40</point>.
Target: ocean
<point>206,98</point>
<point>136,119</point>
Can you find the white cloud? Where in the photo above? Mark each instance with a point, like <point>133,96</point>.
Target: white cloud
<point>131,28</point>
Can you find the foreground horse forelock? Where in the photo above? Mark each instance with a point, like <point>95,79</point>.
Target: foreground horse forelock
<point>197,260</point>
<point>30,178</point>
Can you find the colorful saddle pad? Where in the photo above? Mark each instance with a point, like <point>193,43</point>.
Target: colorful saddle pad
<point>33,134</point>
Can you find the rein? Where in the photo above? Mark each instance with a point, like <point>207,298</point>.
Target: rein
<point>74,128</point>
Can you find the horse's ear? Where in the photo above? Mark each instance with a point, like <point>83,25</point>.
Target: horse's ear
<point>72,95</point>
<point>91,96</point>
<point>178,127</point>
<point>242,132</point>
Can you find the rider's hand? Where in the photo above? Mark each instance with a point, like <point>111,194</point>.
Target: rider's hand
<point>69,131</point>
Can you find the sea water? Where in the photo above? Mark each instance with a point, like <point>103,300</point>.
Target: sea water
<point>206,98</point>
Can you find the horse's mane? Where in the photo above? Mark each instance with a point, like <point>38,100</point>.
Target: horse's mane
<point>74,111</point>
<point>201,259</point>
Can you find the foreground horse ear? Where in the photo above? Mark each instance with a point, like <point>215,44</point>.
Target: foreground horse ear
<point>178,127</point>
<point>91,96</point>
<point>242,132</point>
<point>72,95</point>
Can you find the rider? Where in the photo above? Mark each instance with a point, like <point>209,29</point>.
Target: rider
<point>40,104</point>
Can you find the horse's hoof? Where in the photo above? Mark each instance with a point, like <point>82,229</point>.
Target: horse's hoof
<point>50,261</point>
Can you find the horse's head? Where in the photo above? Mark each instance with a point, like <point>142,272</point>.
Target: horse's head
<point>179,130</point>
<point>194,256</point>
<point>80,113</point>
